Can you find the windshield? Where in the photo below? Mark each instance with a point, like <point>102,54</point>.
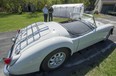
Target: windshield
<point>89,19</point>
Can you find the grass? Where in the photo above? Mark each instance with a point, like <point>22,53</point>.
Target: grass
<point>99,16</point>
<point>106,68</point>
<point>11,22</point>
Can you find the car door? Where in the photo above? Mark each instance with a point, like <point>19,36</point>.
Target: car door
<point>86,37</point>
<point>87,40</point>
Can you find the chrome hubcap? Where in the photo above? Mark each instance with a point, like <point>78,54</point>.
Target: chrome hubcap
<point>56,60</point>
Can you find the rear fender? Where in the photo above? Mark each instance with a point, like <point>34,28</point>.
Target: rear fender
<point>33,56</point>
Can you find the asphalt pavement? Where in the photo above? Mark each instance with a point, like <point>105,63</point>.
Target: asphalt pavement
<point>81,62</point>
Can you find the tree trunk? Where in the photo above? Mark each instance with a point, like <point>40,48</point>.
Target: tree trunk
<point>65,1</point>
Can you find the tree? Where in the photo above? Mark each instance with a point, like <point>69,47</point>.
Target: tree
<point>17,6</point>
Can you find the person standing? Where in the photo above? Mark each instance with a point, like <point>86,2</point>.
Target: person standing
<point>45,12</point>
<point>50,14</point>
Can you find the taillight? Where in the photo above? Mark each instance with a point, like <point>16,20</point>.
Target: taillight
<point>7,60</point>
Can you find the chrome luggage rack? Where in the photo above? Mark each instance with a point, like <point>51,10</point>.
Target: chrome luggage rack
<point>24,35</point>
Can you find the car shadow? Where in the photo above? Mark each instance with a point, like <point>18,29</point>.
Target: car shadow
<point>83,61</point>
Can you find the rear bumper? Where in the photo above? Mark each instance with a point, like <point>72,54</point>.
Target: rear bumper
<point>6,72</point>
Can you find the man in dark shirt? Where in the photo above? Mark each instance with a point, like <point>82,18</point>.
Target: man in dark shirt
<point>50,14</point>
<point>45,12</point>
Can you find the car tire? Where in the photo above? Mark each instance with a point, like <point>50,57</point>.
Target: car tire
<point>55,59</point>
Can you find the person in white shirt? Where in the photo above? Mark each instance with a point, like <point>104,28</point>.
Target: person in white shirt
<point>45,12</point>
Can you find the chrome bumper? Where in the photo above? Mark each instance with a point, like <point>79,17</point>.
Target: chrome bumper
<point>6,72</point>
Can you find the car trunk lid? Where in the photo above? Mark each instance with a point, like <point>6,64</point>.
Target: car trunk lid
<point>29,34</point>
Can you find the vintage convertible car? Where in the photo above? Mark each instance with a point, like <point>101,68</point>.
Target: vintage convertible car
<point>46,46</point>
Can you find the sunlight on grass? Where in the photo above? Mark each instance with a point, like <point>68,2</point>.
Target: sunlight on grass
<point>99,16</point>
<point>11,22</point>
<point>106,68</point>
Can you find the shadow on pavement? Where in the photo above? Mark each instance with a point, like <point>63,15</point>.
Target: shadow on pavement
<point>82,62</point>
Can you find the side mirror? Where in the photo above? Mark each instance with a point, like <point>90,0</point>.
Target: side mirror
<point>13,39</point>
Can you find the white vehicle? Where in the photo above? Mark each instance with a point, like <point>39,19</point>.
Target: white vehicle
<point>73,11</point>
<point>46,46</point>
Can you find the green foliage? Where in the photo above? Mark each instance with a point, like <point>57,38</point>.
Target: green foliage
<point>16,6</point>
<point>20,10</point>
<point>11,5</point>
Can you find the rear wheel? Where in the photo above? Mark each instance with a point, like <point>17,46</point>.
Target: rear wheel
<point>55,59</point>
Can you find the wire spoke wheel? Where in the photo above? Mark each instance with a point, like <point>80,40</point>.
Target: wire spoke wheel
<point>56,60</point>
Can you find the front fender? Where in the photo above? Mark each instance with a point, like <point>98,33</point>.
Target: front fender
<point>31,59</point>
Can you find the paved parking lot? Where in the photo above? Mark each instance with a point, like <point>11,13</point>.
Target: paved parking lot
<point>82,61</point>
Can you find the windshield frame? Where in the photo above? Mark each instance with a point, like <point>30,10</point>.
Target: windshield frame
<point>89,19</point>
